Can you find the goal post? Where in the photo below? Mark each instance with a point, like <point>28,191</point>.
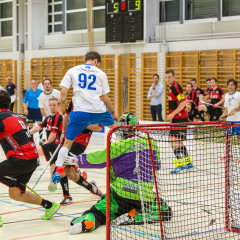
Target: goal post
<point>148,199</point>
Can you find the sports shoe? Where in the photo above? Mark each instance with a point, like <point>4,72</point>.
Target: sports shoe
<point>95,189</point>
<point>81,227</point>
<point>52,187</point>
<point>67,200</point>
<point>51,211</point>
<point>181,169</point>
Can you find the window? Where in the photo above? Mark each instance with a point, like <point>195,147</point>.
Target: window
<point>231,8</point>
<point>74,15</point>
<point>199,9</point>
<point>6,19</point>
<point>169,11</point>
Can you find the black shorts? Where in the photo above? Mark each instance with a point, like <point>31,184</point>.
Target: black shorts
<point>215,113</point>
<point>196,114</point>
<point>18,169</point>
<point>178,133</point>
<point>49,149</point>
<point>34,115</point>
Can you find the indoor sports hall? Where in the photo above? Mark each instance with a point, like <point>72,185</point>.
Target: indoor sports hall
<point>174,66</point>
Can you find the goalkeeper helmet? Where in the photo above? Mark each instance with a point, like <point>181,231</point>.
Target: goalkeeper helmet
<point>126,119</point>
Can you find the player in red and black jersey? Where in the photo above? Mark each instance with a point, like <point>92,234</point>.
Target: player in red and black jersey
<point>209,87</point>
<point>217,98</point>
<point>199,92</point>
<point>192,102</point>
<point>177,114</point>
<point>22,158</point>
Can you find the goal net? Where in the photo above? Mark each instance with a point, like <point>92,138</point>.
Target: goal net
<point>168,181</point>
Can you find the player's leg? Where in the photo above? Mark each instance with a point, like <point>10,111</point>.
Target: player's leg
<point>78,121</point>
<point>202,108</point>
<point>21,172</point>
<point>183,161</point>
<point>104,119</point>
<point>159,112</point>
<point>153,113</point>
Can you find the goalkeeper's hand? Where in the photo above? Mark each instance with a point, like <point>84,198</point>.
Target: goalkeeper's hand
<point>71,160</point>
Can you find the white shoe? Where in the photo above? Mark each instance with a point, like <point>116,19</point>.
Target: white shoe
<point>75,229</point>
<point>52,187</point>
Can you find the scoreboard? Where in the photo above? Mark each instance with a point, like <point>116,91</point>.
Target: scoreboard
<point>124,20</point>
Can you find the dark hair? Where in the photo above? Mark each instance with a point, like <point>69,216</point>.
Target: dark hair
<point>208,79</point>
<point>46,80</point>
<point>232,80</point>
<point>170,71</point>
<point>155,75</point>
<point>93,55</point>
<point>190,84</point>
<point>5,99</point>
<point>213,78</point>
<point>194,80</point>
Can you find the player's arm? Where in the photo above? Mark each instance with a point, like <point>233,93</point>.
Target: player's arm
<point>51,137</point>
<point>43,112</point>
<point>159,91</point>
<point>54,129</point>
<point>224,115</point>
<point>94,127</point>
<point>24,101</point>
<point>15,91</point>
<point>235,110</point>
<point>206,98</point>
<point>109,106</point>
<point>221,101</point>
<point>63,98</point>
<point>35,129</point>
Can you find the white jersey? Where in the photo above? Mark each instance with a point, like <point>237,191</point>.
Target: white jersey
<point>43,100</point>
<point>232,101</point>
<point>40,86</point>
<point>89,83</point>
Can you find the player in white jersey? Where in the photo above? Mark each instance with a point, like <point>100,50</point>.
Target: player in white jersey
<point>232,107</point>
<point>44,97</point>
<point>90,99</point>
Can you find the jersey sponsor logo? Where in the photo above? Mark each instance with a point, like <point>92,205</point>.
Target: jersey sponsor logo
<point>130,188</point>
<point>180,96</point>
<point>138,146</point>
<point>169,98</point>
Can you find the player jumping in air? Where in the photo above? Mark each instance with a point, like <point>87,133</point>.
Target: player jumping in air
<point>124,179</point>
<point>177,114</point>
<point>56,127</point>
<point>22,158</point>
<point>90,99</point>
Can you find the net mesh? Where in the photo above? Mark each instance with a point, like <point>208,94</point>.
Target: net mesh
<point>201,201</point>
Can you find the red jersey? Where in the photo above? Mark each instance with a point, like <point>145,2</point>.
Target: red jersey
<point>84,137</point>
<point>216,95</point>
<point>199,91</point>
<point>53,124</point>
<point>209,91</point>
<point>175,97</point>
<point>15,138</point>
<point>192,98</point>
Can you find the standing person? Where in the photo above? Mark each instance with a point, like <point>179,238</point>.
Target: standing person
<point>217,98</point>
<point>124,198</point>
<point>31,109</point>
<point>44,97</point>
<point>90,99</point>
<point>199,93</point>
<point>192,101</point>
<point>209,87</point>
<point>12,91</point>
<point>177,114</point>
<point>40,85</point>
<point>22,158</point>
<point>232,107</point>
<point>155,93</point>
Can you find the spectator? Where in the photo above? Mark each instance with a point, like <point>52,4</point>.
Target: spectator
<point>32,110</point>
<point>40,85</point>
<point>47,94</point>
<point>155,93</point>
<point>12,91</point>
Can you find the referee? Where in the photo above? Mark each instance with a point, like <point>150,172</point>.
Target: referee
<point>32,110</point>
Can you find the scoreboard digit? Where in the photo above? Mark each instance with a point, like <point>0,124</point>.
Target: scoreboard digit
<point>124,20</point>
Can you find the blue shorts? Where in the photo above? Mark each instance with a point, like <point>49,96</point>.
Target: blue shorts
<point>79,121</point>
<point>234,130</point>
<point>34,115</point>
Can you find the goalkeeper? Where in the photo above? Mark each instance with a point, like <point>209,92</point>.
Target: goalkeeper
<point>125,191</point>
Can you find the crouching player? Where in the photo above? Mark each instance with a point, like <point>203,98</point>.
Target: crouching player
<point>22,158</point>
<point>125,165</point>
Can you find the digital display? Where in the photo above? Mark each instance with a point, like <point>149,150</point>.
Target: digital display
<point>124,20</point>
<point>123,6</point>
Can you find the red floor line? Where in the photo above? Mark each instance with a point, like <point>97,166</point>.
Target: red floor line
<point>38,235</point>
